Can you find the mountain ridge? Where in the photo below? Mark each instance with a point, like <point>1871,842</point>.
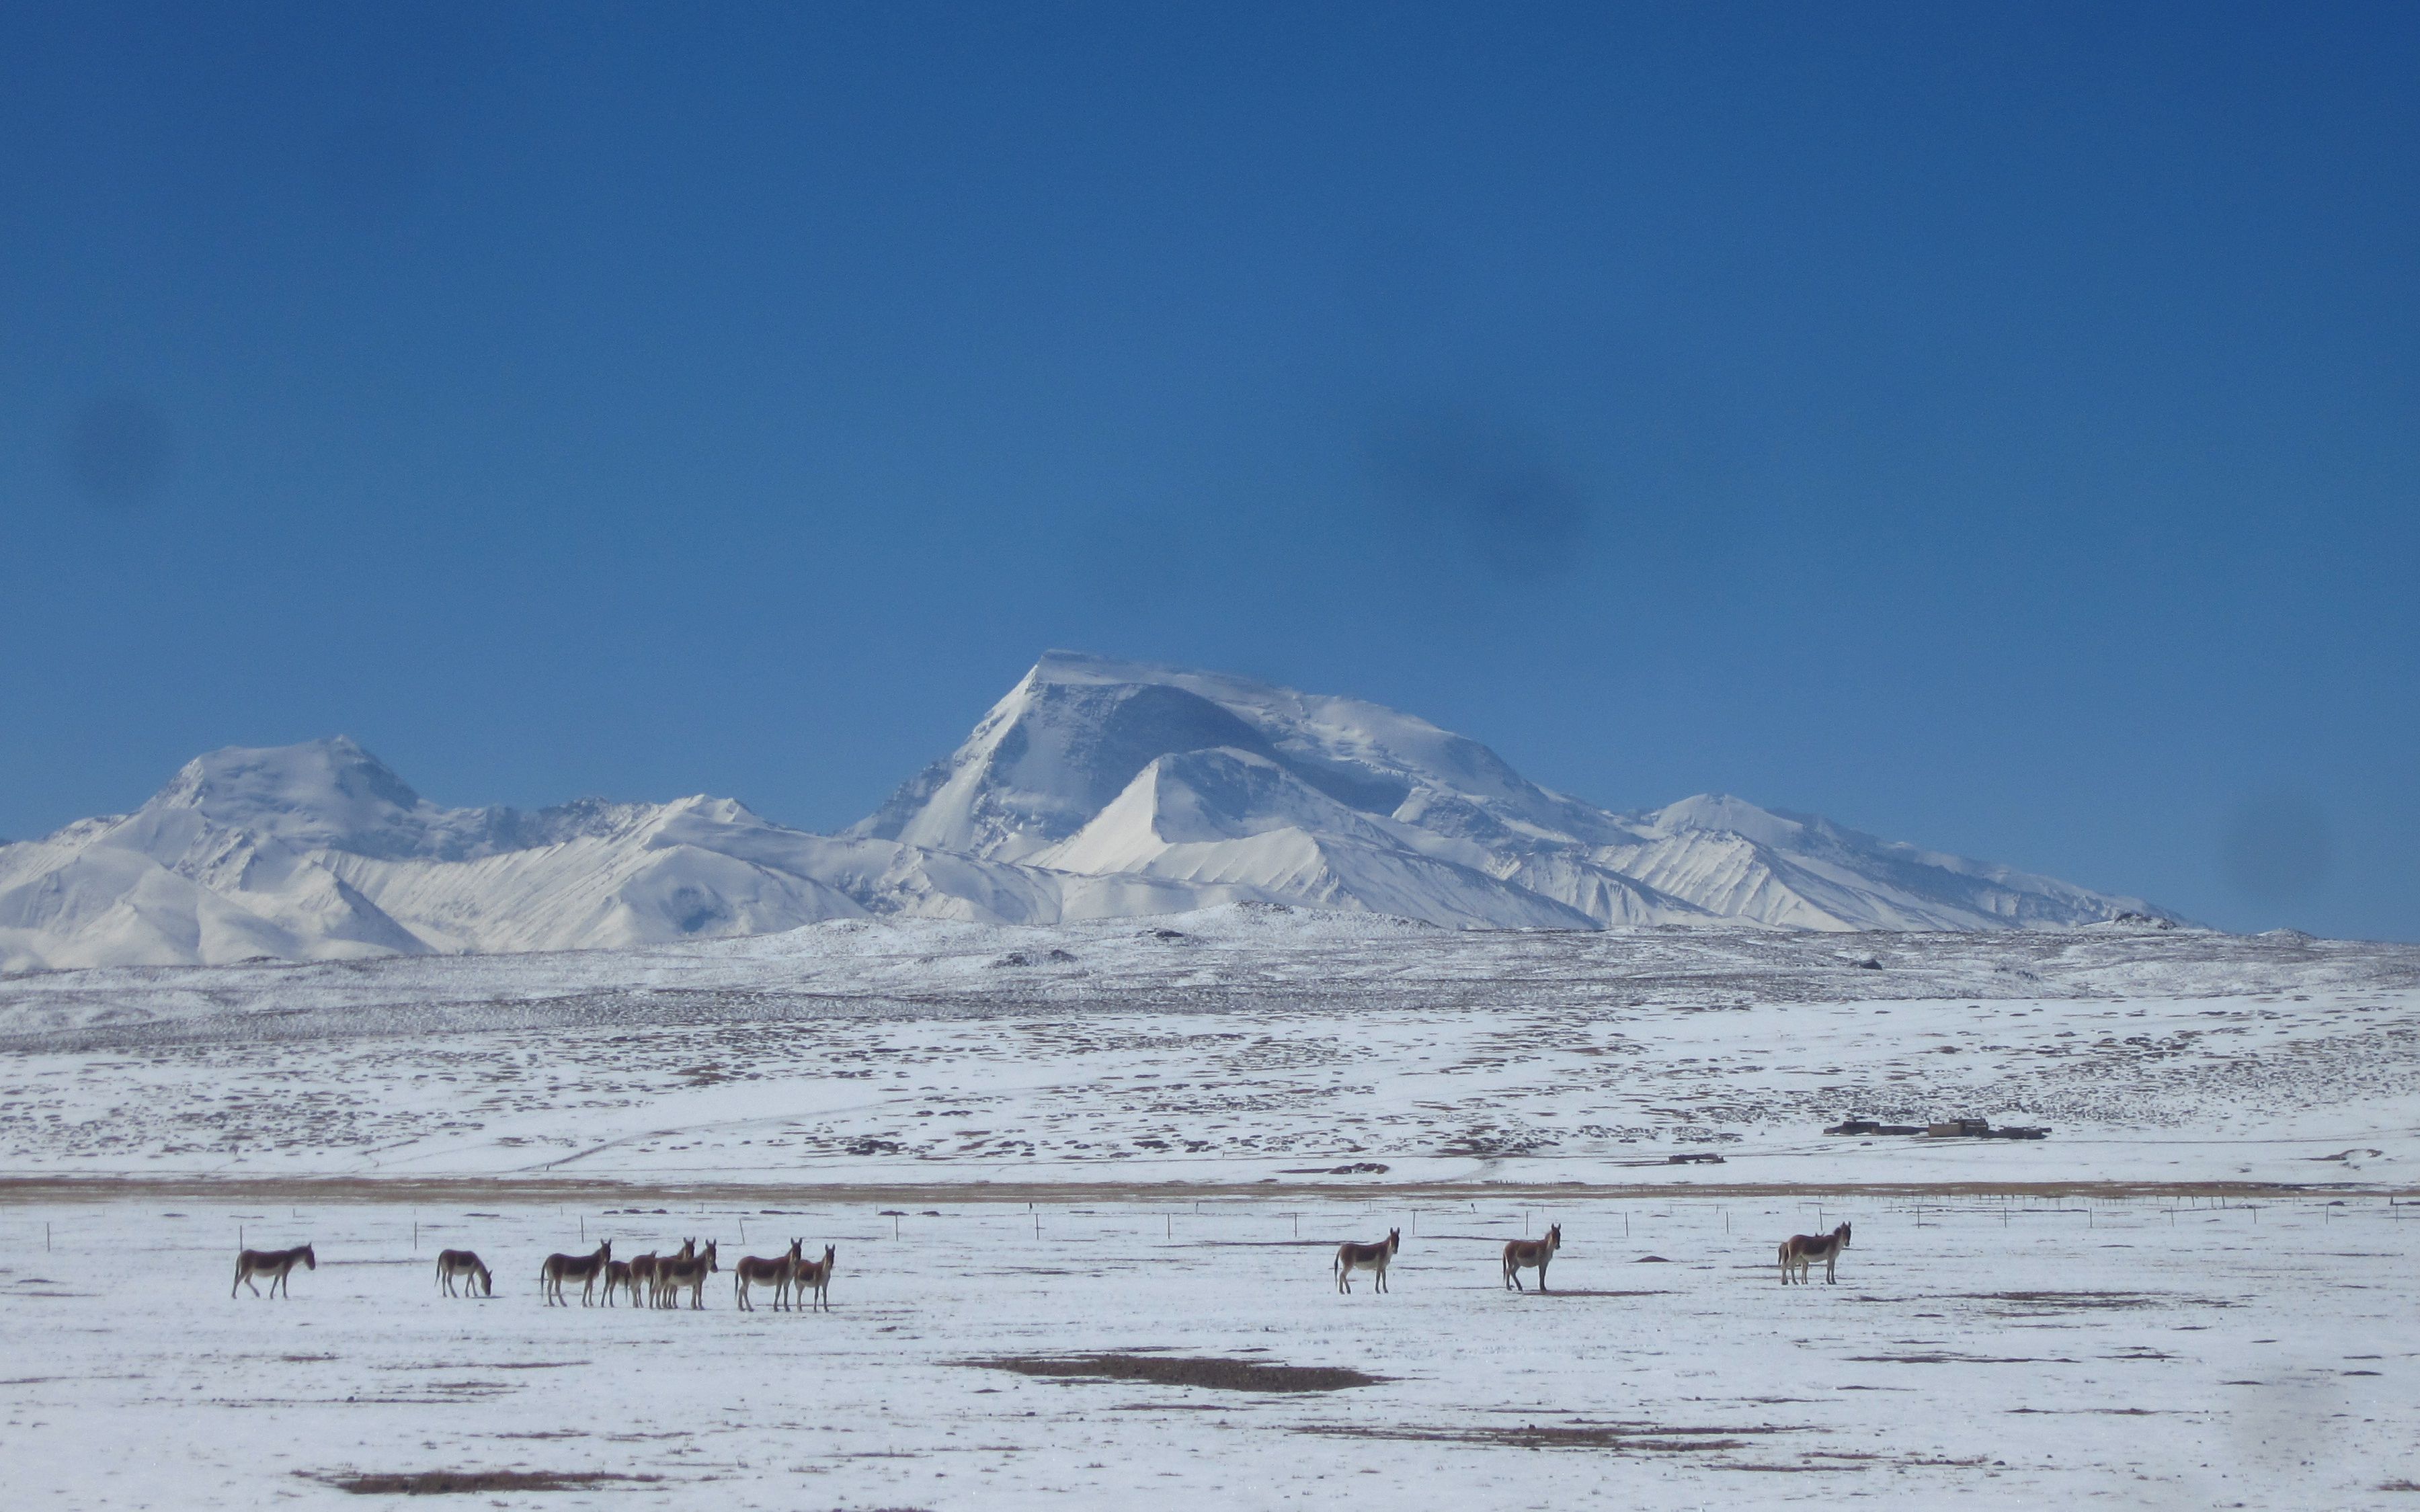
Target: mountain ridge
<point>1093,789</point>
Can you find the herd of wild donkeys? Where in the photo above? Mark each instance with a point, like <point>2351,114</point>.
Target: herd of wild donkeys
<point>796,1280</point>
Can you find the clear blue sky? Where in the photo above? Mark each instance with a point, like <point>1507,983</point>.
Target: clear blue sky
<point>1990,426</point>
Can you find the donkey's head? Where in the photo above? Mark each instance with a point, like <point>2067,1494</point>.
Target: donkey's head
<point>1841,1233</point>
<point>710,1265</point>
<point>1554,1237</point>
<point>1394,1240</point>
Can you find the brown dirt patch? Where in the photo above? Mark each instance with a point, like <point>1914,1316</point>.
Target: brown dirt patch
<point>470,1482</point>
<point>1646,1437</point>
<point>1214,1371</point>
<point>1934,1358</point>
<point>457,1191</point>
<point>2020,1304</point>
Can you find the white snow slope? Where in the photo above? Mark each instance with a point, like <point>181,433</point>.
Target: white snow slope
<point>1094,790</point>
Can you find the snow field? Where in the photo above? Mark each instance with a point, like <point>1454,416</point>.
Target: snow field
<point>754,1089</point>
<point>2137,1354</point>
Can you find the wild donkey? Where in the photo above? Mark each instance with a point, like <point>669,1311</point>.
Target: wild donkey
<point>814,1276</point>
<point>1523,1253</point>
<point>276,1264</point>
<point>658,1294</point>
<point>1800,1252</point>
<point>462,1263</point>
<point>1351,1258</point>
<point>777,1272</point>
<point>642,1271</point>
<point>584,1269</point>
<point>673,1274</point>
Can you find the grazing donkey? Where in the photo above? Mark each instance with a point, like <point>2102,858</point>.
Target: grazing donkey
<point>814,1276</point>
<point>1523,1253</point>
<point>673,1274</point>
<point>1351,1258</point>
<point>776,1273</point>
<point>276,1264</point>
<point>462,1263</point>
<point>584,1269</point>
<point>1801,1251</point>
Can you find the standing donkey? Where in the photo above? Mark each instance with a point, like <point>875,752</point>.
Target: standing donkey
<point>463,1263</point>
<point>1523,1254</point>
<point>276,1264</point>
<point>585,1269</point>
<point>1800,1251</point>
<point>642,1273</point>
<point>674,1274</point>
<point>1351,1258</point>
<point>813,1276</point>
<point>777,1272</point>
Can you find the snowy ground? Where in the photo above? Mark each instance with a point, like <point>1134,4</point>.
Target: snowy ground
<point>1198,1108</point>
<point>2139,1353</point>
<point>1236,1048</point>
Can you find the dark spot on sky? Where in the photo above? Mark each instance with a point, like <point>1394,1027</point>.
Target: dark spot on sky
<point>2276,848</point>
<point>118,450</point>
<point>1502,492</point>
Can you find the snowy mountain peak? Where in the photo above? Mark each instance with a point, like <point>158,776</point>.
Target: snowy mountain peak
<point>1096,765</point>
<point>1720,813</point>
<point>326,793</point>
<point>1093,789</point>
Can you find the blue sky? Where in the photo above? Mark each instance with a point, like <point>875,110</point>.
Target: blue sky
<point>1993,427</point>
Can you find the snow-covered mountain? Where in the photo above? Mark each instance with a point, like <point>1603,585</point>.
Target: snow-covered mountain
<point>1106,767</point>
<point>1095,789</point>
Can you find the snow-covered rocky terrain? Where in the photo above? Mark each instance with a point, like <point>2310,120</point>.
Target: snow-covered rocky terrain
<point>1235,1045</point>
<point>1094,790</point>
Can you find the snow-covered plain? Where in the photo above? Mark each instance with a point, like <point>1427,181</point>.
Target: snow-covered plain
<point>1238,1045</point>
<point>2146,1353</point>
<point>1146,1135</point>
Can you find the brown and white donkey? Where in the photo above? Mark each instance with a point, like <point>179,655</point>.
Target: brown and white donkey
<point>1523,1254</point>
<point>1799,1252</point>
<point>1351,1258</point>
